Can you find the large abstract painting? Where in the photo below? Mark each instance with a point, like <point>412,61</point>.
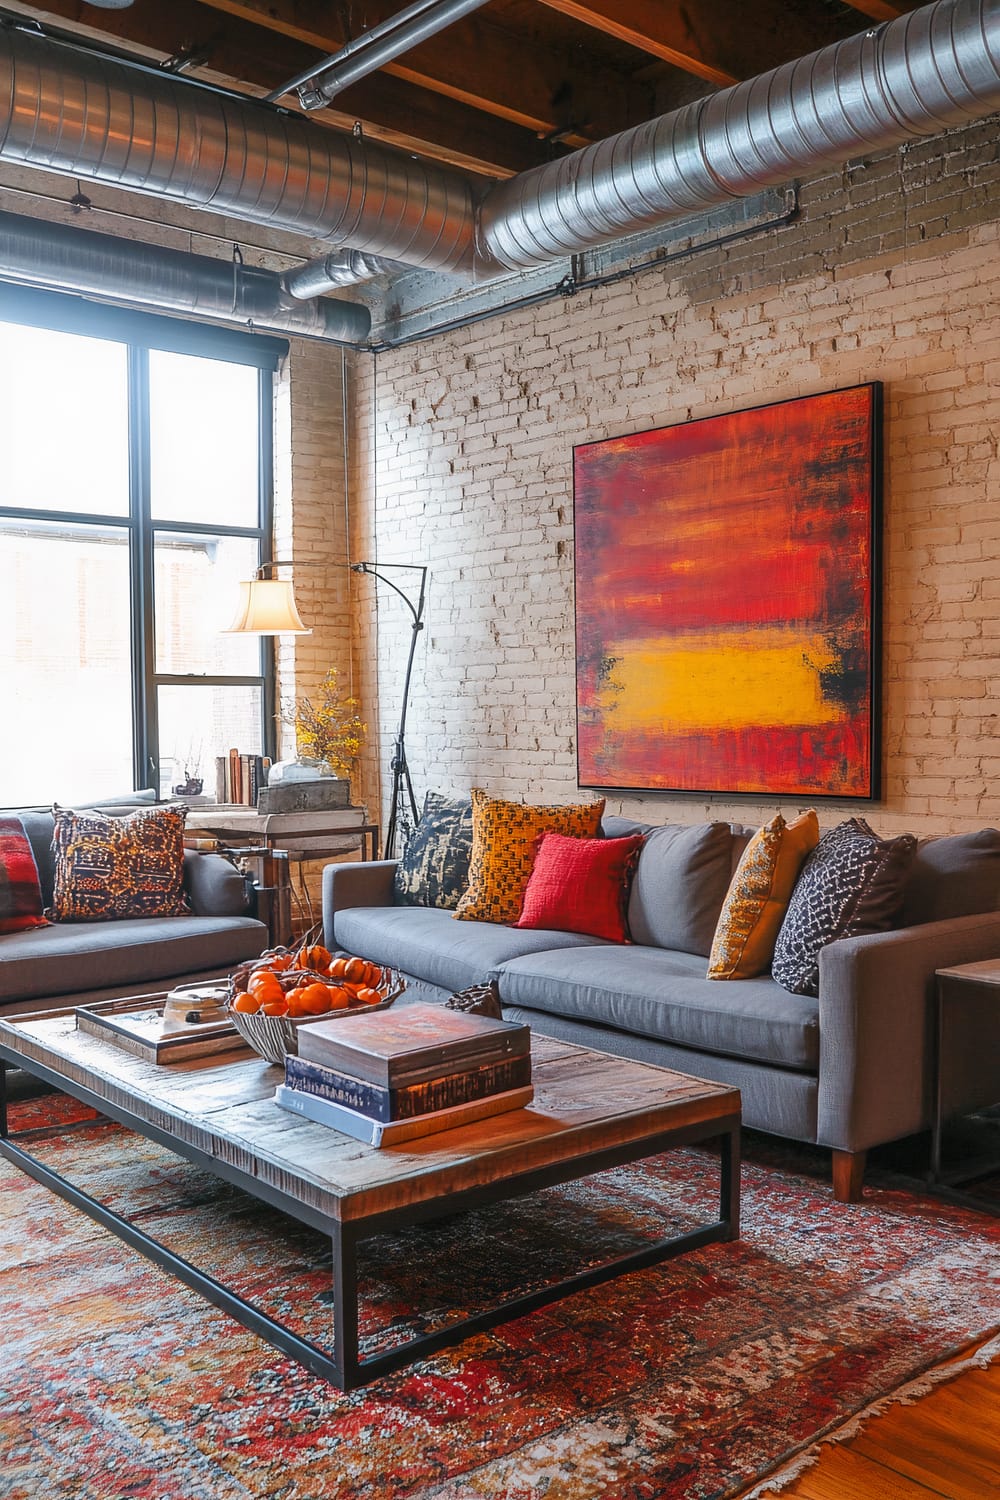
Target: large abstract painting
<point>726,602</point>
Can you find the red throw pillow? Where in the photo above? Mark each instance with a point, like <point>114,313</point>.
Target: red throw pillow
<point>20,894</point>
<point>581,885</point>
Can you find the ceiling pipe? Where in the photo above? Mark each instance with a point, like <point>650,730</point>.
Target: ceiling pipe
<point>108,119</point>
<point>34,252</point>
<point>338,269</point>
<point>72,110</point>
<point>317,85</point>
<point>930,69</point>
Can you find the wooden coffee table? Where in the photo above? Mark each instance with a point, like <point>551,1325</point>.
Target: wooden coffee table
<point>591,1111</point>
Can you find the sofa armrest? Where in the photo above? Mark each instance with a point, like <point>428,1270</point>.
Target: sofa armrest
<point>215,887</point>
<point>876,1013</point>
<point>365,883</point>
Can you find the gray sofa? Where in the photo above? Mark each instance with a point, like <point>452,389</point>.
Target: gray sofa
<point>848,1070</point>
<point>70,962</point>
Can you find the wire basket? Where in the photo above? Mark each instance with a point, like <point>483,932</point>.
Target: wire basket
<point>277,1037</point>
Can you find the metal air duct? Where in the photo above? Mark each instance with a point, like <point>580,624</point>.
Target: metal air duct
<point>37,253</point>
<point>339,268</point>
<point>72,110</point>
<point>933,68</point>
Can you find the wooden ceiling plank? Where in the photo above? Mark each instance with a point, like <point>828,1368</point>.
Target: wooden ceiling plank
<point>241,55</point>
<point>477,63</point>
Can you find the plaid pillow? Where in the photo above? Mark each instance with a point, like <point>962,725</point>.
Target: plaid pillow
<point>108,868</point>
<point>20,892</point>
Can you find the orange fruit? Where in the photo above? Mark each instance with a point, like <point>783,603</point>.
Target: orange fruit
<point>247,1005</point>
<point>264,984</point>
<point>374,975</point>
<point>297,1003</point>
<point>275,1007</point>
<point>338,998</point>
<point>338,967</point>
<point>356,971</point>
<point>369,996</point>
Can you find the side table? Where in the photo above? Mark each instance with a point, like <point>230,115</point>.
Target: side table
<point>967,1051</point>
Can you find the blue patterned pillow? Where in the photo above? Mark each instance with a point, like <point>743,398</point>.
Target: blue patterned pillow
<point>851,883</point>
<point>434,869</point>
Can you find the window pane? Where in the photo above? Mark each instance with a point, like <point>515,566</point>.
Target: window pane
<point>200,723</point>
<point>64,664</point>
<point>203,440</point>
<point>63,422</point>
<point>196,594</point>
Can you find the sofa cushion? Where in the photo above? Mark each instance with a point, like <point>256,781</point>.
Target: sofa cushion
<point>20,893</point>
<point>504,840</point>
<point>679,887</point>
<point>851,884</point>
<point>581,885</point>
<point>111,868</point>
<point>434,868</point>
<point>665,995</point>
<point>957,876</point>
<point>758,897</point>
<point>431,945</point>
<point>67,958</point>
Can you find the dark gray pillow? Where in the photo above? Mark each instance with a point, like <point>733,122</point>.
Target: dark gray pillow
<point>851,883</point>
<point>680,884</point>
<point>434,869</point>
<point>957,876</point>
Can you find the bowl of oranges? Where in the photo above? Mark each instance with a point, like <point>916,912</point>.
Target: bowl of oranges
<point>270,998</point>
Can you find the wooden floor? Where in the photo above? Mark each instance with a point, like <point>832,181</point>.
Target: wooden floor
<point>946,1445</point>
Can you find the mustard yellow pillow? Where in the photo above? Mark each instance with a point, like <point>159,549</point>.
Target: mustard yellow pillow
<point>758,895</point>
<point>505,839</point>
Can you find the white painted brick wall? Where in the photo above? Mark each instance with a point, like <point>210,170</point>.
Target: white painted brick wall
<point>470,443</point>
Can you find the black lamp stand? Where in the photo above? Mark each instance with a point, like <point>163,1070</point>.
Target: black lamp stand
<point>403,804</point>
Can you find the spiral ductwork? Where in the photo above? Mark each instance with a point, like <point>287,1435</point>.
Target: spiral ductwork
<point>86,115</point>
<point>928,70</point>
<point>79,112</point>
<point>37,253</point>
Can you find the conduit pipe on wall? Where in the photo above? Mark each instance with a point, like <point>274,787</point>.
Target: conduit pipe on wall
<point>930,69</point>
<point>37,253</point>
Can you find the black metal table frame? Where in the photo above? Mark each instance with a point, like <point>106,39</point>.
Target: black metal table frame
<point>343,1367</point>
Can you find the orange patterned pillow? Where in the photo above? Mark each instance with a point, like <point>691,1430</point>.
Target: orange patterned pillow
<point>505,838</point>
<point>758,895</point>
<point>109,868</point>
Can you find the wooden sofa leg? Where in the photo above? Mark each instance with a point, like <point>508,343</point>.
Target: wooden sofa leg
<point>848,1175</point>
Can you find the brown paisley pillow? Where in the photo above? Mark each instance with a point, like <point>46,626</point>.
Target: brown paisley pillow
<point>108,868</point>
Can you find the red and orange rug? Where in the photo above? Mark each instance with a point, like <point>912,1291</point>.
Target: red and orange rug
<point>692,1379</point>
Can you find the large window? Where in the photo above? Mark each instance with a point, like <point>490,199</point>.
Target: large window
<point>134,495</point>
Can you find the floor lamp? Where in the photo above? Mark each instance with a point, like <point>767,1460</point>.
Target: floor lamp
<point>267,607</point>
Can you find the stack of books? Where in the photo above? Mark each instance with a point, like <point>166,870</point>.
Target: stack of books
<point>240,778</point>
<point>393,1075</point>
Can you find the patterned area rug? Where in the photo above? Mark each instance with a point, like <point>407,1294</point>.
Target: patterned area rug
<point>691,1379</point>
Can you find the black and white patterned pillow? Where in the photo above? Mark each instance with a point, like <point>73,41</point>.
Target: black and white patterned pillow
<point>434,868</point>
<point>851,883</point>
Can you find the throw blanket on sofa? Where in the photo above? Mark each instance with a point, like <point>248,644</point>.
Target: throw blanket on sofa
<point>20,892</point>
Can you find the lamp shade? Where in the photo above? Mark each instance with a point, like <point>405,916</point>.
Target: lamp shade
<point>267,607</point>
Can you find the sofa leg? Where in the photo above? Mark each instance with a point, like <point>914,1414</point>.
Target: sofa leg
<point>848,1175</point>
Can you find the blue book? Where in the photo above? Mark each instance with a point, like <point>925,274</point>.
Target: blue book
<point>413,1099</point>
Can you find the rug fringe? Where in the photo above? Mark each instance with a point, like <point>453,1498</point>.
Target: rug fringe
<point>906,1395</point>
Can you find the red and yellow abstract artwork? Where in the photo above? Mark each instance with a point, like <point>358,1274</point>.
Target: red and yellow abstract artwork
<point>726,580</point>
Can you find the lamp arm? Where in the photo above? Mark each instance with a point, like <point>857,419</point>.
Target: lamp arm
<point>375,570</point>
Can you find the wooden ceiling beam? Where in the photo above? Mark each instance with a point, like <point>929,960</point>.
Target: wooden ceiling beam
<point>479,64</point>
<point>243,56</point>
<point>719,41</point>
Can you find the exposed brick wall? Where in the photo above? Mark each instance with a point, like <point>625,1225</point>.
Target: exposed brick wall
<point>464,460</point>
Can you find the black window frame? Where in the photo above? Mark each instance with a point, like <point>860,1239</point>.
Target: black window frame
<point>141,333</point>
